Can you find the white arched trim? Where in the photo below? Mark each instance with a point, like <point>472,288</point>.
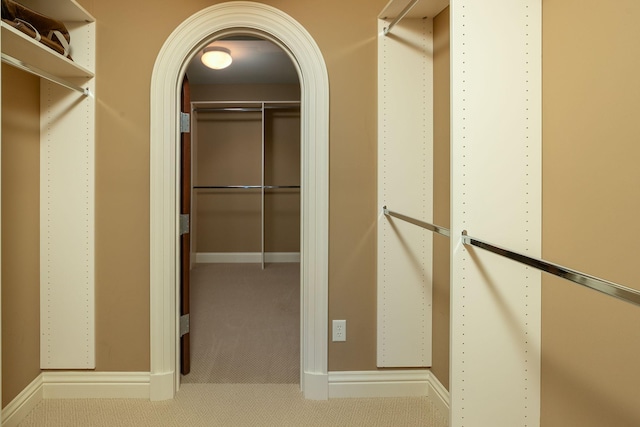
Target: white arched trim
<point>192,34</point>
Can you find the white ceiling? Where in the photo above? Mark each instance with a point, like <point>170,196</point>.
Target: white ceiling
<point>255,61</point>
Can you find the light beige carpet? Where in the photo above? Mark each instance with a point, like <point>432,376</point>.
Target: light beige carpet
<point>236,405</point>
<point>245,324</point>
<point>245,329</point>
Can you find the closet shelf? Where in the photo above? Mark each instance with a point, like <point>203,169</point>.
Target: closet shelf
<point>424,8</point>
<point>25,49</point>
<point>62,10</point>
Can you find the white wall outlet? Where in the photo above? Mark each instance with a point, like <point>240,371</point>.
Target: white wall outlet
<point>339,330</point>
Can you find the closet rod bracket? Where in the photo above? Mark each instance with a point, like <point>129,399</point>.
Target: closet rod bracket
<point>43,74</point>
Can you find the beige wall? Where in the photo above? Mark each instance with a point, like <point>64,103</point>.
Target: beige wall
<point>346,34</point>
<point>228,151</point>
<point>282,206</point>
<point>441,195</point>
<point>20,231</point>
<point>591,184</point>
<point>591,94</point>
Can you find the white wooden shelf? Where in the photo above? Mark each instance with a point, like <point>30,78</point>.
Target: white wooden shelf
<point>62,10</point>
<point>423,9</point>
<point>24,48</point>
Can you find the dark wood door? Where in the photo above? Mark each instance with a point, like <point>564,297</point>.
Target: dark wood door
<point>185,246</point>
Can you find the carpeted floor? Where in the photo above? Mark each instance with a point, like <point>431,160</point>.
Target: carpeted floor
<point>235,405</point>
<point>245,333</point>
<point>245,324</point>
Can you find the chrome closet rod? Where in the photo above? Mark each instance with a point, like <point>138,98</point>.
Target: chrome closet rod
<point>402,14</point>
<point>266,187</point>
<point>435,228</point>
<point>262,165</point>
<point>604,286</point>
<point>40,73</point>
<point>245,109</point>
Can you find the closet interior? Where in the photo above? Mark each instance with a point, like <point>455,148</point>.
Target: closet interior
<point>246,179</point>
<point>245,216</point>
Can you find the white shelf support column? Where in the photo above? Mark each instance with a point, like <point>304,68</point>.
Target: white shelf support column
<point>495,195</point>
<point>405,184</point>
<point>67,316</point>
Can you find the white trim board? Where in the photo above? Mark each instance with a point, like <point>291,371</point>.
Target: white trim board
<point>390,383</point>
<point>109,385</point>
<point>245,257</point>
<point>75,385</point>
<point>23,403</point>
<point>96,385</point>
<point>209,24</point>
<point>439,396</point>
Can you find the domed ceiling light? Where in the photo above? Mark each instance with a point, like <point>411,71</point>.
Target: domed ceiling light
<point>216,57</point>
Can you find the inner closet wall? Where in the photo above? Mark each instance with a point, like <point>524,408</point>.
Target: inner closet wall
<point>227,151</point>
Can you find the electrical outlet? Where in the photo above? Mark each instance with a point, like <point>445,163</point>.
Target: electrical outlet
<point>339,330</point>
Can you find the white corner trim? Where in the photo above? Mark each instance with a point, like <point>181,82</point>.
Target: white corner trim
<point>439,396</point>
<point>162,386</point>
<point>387,383</point>
<point>23,403</point>
<point>315,386</point>
<point>245,257</point>
<point>100,385</point>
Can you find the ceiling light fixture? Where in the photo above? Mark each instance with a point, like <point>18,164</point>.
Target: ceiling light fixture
<point>216,57</point>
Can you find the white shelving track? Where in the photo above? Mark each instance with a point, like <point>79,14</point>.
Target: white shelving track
<point>67,176</point>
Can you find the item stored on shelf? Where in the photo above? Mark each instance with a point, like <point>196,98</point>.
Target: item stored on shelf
<point>48,31</point>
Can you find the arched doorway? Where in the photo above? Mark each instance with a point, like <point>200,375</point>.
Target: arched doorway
<point>211,23</point>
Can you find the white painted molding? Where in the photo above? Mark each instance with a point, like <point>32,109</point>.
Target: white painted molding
<point>161,386</point>
<point>96,385</point>
<point>245,257</point>
<point>395,383</point>
<point>391,383</point>
<point>23,403</point>
<point>75,385</point>
<point>315,386</point>
<point>214,22</point>
<point>439,396</point>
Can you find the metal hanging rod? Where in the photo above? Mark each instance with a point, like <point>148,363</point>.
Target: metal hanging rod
<point>246,102</point>
<point>402,14</point>
<point>266,187</point>
<point>246,109</point>
<point>435,228</point>
<point>40,73</point>
<point>609,288</point>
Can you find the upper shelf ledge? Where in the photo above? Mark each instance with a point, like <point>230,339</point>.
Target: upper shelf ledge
<point>22,47</point>
<point>62,10</point>
<point>423,9</point>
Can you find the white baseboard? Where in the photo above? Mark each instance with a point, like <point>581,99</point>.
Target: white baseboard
<point>162,386</point>
<point>23,403</point>
<point>100,385</point>
<point>314,386</point>
<point>401,383</point>
<point>75,385</point>
<point>440,397</point>
<point>246,257</point>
